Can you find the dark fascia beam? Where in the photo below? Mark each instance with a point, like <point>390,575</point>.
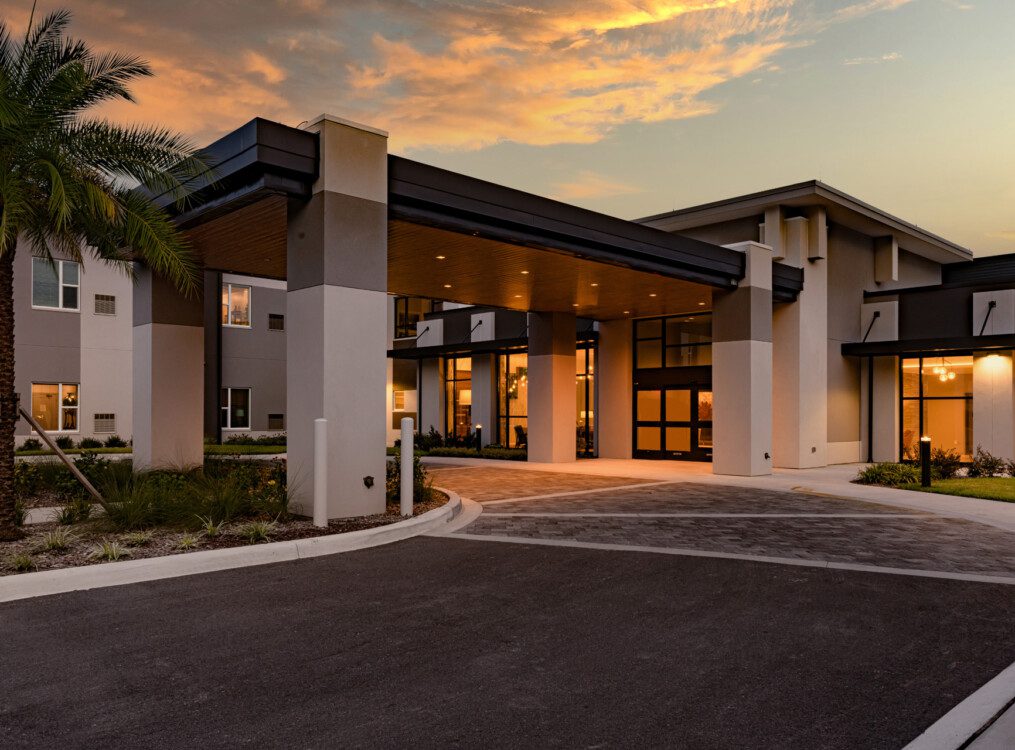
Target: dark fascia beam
<point>423,194</point>
<point>478,347</point>
<point>260,153</point>
<point>914,347</point>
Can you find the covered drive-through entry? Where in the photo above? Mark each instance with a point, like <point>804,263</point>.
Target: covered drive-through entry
<point>344,224</point>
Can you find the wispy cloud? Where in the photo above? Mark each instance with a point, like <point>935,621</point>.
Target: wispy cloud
<point>887,57</point>
<point>453,74</point>
<point>589,185</point>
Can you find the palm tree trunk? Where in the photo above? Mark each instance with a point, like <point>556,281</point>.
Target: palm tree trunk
<point>8,399</point>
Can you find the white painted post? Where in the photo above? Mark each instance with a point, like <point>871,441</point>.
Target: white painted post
<point>321,473</point>
<point>406,452</point>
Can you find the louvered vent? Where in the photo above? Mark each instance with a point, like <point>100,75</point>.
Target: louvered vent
<point>105,304</point>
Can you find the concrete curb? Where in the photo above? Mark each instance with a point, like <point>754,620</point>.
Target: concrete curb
<point>48,582</point>
<point>957,727</point>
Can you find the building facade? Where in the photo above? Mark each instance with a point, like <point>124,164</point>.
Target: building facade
<point>797,327</point>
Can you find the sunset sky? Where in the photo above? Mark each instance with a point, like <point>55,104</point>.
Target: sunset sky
<point>631,107</point>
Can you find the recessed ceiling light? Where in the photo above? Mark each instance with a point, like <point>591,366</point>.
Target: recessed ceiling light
<point>701,304</point>
<point>594,283</point>
<point>574,305</point>
<point>447,286</point>
<point>627,312</point>
<point>518,296</point>
<point>441,257</point>
<point>525,273</point>
<point>652,294</point>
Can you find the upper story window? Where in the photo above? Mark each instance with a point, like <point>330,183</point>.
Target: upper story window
<point>236,306</point>
<point>56,284</point>
<point>677,341</point>
<point>408,312</point>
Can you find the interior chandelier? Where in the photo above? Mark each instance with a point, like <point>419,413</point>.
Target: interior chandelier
<point>943,373</point>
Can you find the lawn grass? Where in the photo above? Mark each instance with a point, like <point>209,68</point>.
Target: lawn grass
<point>242,450</point>
<point>993,488</point>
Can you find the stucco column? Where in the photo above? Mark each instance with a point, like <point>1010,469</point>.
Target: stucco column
<point>885,432</point>
<point>800,360</point>
<point>993,404</point>
<point>552,389</point>
<point>168,363</point>
<point>336,304</point>
<point>742,370</point>
<point>614,418</point>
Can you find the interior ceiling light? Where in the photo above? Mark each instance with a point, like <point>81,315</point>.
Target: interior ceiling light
<point>525,273</point>
<point>701,304</point>
<point>652,294</point>
<point>595,283</point>
<point>575,304</point>
<point>441,257</point>
<point>447,286</point>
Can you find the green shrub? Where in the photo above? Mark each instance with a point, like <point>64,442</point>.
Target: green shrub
<point>138,538</point>
<point>945,463</point>
<point>504,454</point>
<point>57,540</point>
<point>210,527</point>
<point>986,465</point>
<point>26,479</point>
<point>66,442</point>
<point>889,475</point>
<point>110,551</point>
<point>22,563</point>
<point>115,441</point>
<point>20,512</point>
<point>31,444</point>
<point>76,510</point>
<point>256,532</point>
<point>187,541</point>
<point>89,443</point>
<point>422,486</point>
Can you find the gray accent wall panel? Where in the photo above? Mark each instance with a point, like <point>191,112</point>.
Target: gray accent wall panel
<point>843,396</point>
<point>338,240</point>
<point>743,315</point>
<point>158,301</point>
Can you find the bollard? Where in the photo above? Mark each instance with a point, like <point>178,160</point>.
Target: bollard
<point>479,438</point>
<point>406,454</point>
<point>925,461</point>
<point>320,473</point>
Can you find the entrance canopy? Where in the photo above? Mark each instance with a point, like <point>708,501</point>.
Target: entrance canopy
<point>460,239</point>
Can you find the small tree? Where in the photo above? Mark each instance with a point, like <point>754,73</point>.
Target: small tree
<point>69,183</point>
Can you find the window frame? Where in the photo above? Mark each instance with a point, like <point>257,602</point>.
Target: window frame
<point>60,285</point>
<point>506,419</point>
<point>227,286</point>
<point>227,407</point>
<point>60,406</point>
<point>664,343</point>
<point>921,399</point>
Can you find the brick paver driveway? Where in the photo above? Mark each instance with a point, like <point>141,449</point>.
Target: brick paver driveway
<point>725,521</point>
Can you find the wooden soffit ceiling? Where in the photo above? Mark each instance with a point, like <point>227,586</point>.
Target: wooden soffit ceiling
<point>250,240</point>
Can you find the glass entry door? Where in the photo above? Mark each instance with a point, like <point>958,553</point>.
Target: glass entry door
<point>673,422</point>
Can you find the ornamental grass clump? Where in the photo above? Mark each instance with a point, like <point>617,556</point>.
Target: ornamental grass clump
<point>109,551</point>
<point>57,540</point>
<point>985,464</point>
<point>889,475</point>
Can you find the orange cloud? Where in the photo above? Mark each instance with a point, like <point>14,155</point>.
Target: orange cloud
<point>454,74</point>
<point>588,184</point>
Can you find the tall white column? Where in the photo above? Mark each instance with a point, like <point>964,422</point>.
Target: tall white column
<point>168,364</point>
<point>800,360</point>
<point>886,409</point>
<point>993,404</point>
<point>742,370</point>
<point>484,396</point>
<point>552,390</point>
<point>337,312</point>
<point>615,374</point>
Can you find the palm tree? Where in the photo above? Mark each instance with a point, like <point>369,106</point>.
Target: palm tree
<point>73,184</point>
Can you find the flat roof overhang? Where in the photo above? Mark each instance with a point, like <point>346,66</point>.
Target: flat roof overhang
<point>914,347</point>
<point>489,235</point>
<point>841,208</point>
<point>466,240</point>
<point>237,217</point>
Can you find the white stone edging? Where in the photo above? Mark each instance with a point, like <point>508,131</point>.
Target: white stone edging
<point>48,582</point>
<point>971,716</point>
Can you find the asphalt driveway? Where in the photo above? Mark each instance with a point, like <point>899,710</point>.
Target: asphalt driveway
<point>457,642</point>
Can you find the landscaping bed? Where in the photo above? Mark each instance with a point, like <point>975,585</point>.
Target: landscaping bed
<point>226,503</point>
<point>85,541</point>
<point>986,477</point>
<point>986,488</point>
